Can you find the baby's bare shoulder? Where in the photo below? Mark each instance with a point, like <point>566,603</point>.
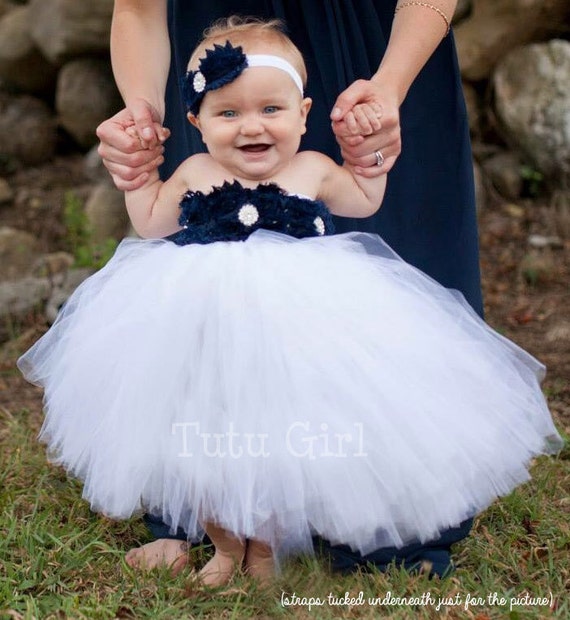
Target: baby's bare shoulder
<point>313,157</point>
<point>314,163</point>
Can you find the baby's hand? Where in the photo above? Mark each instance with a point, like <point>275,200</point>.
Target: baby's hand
<point>364,119</point>
<point>151,176</point>
<point>133,133</point>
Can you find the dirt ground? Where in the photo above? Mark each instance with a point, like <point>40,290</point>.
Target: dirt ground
<point>526,289</point>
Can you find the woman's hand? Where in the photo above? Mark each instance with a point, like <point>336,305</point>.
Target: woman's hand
<point>130,156</point>
<point>375,151</point>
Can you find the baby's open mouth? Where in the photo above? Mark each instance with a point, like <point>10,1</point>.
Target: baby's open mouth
<point>254,148</point>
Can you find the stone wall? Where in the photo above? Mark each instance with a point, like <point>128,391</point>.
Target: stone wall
<point>55,74</point>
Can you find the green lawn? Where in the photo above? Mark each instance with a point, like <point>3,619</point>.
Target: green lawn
<point>60,560</point>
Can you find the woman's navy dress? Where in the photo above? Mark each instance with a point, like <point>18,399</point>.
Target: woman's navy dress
<point>428,215</point>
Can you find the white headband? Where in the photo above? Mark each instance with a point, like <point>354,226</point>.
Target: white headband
<point>223,64</point>
<point>268,60</point>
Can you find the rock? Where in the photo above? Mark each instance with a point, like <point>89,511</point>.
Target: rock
<point>93,167</point>
<point>47,288</point>
<point>559,332</point>
<point>497,26</point>
<point>19,297</point>
<point>542,241</point>
<point>18,252</point>
<point>22,67</point>
<point>504,172</point>
<point>6,192</point>
<point>462,10</point>
<point>64,29</point>
<point>85,96</point>
<point>106,213</point>
<point>560,212</point>
<point>515,211</point>
<point>532,101</point>
<point>5,6</point>
<point>53,266</point>
<point>538,267</point>
<point>61,293</point>
<point>480,191</point>
<point>27,130</point>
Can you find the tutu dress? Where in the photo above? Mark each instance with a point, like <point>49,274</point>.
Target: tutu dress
<point>255,371</point>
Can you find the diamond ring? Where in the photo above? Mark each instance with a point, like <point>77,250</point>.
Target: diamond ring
<point>379,158</point>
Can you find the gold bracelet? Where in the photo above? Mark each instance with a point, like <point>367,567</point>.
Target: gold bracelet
<point>428,6</point>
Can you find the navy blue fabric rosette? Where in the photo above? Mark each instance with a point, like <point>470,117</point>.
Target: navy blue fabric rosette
<point>219,67</point>
<point>232,213</point>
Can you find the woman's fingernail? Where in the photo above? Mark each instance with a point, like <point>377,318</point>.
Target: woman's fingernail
<point>147,133</point>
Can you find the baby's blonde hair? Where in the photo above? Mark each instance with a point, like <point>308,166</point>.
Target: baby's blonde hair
<point>248,32</point>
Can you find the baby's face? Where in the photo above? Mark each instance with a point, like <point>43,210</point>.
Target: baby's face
<point>253,126</point>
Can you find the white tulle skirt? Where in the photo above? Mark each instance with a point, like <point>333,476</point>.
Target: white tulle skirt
<point>284,388</point>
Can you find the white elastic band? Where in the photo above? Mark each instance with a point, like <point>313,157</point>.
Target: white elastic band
<point>268,60</point>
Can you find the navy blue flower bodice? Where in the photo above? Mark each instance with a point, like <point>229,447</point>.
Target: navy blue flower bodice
<point>233,212</point>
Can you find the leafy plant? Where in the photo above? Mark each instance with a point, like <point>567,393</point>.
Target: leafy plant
<point>533,180</point>
<point>79,236</point>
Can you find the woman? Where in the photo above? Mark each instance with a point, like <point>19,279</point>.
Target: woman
<point>394,54</point>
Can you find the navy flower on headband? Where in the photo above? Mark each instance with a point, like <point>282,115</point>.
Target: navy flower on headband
<point>219,67</point>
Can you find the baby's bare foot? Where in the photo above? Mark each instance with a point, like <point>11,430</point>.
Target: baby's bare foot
<point>219,570</point>
<point>161,553</point>
<point>259,562</point>
<point>228,556</point>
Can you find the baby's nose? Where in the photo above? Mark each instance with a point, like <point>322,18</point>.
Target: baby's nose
<point>251,125</point>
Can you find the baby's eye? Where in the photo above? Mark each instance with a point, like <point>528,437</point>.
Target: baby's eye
<point>228,113</point>
<point>270,109</point>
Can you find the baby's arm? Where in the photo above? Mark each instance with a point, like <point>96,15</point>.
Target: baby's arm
<point>348,190</point>
<point>154,208</point>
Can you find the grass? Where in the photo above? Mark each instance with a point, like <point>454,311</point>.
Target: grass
<point>59,560</point>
